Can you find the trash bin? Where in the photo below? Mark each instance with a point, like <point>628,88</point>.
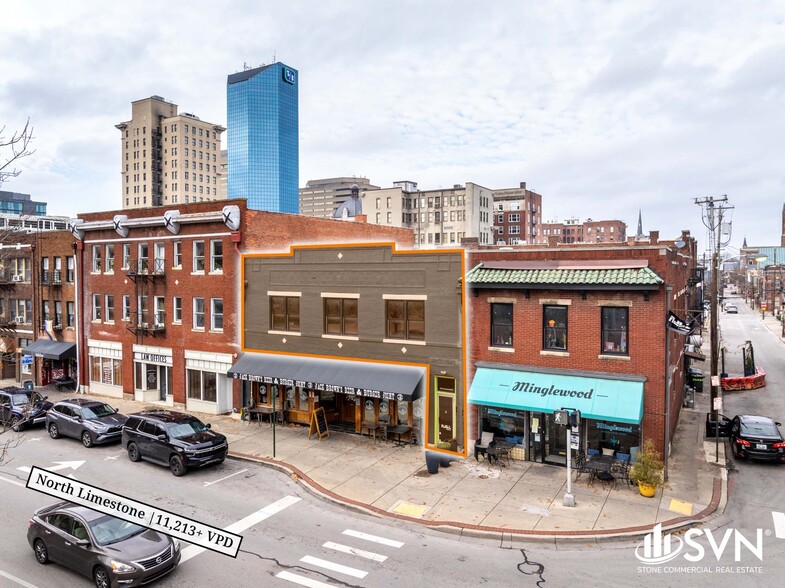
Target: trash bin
<point>689,397</point>
<point>28,385</point>
<point>695,379</point>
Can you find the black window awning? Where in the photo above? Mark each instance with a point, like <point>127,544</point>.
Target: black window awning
<point>357,378</point>
<point>51,349</point>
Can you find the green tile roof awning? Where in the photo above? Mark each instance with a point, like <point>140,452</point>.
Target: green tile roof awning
<point>589,275</point>
<point>620,401</point>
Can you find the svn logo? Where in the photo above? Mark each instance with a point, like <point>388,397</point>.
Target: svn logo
<point>657,548</point>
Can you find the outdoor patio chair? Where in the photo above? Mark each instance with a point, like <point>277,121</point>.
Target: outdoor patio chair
<point>579,464</point>
<point>620,469</point>
<point>482,444</point>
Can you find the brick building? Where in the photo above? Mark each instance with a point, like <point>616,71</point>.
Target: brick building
<point>37,323</point>
<point>589,231</point>
<point>371,334</point>
<point>517,214</point>
<point>580,327</point>
<point>160,290</point>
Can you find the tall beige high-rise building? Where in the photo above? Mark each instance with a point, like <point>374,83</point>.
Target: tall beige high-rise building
<point>168,158</point>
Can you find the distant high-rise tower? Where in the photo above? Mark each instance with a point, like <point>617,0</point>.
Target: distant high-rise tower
<point>263,144</point>
<point>168,158</point>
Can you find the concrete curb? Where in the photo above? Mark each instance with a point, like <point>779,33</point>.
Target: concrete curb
<point>719,497</point>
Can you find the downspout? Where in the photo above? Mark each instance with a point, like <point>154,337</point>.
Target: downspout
<point>666,448</point>
<point>78,255</point>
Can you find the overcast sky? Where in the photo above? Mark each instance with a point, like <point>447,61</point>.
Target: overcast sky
<point>601,107</point>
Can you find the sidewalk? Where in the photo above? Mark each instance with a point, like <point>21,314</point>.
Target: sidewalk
<point>524,499</point>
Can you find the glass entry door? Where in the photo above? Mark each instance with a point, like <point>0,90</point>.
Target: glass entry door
<point>537,436</point>
<point>556,442</point>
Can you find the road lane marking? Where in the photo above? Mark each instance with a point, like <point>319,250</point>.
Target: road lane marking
<point>238,527</point>
<point>355,551</point>
<point>333,567</point>
<point>374,538</point>
<point>61,465</point>
<point>302,580</point>
<point>12,481</point>
<point>17,580</point>
<point>224,478</point>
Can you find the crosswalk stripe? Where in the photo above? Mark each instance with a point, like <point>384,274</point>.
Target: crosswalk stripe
<point>302,580</point>
<point>355,551</point>
<point>239,526</point>
<point>374,538</point>
<point>328,565</point>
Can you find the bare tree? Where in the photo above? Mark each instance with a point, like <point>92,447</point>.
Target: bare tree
<point>14,148</point>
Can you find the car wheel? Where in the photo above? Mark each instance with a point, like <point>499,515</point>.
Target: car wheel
<point>133,452</point>
<point>176,465</point>
<point>87,439</point>
<point>54,433</point>
<point>16,424</point>
<point>101,577</point>
<point>41,553</point>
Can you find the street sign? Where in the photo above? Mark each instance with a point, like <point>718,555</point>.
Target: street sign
<point>27,360</point>
<point>718,403</point>
<point>715,380</point>
<point>561,417</point>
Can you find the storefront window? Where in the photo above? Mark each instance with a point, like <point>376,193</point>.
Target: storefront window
<point>384,411</point>
<point>403,413</point>
<point>504,423</point>
<point>105,370</point>
<point>302,400</point>
<point>621,437</point>
<point>202,385</point>
<point>368,413</point>
<point>614,330</point>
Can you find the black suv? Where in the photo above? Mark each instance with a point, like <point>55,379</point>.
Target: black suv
<point>20,407</point>
<point>176,439</point>
<point>92,421</point>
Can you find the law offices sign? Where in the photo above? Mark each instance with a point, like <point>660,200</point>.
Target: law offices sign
<point>673,554</point>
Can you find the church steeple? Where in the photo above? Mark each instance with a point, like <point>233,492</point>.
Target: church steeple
<point>639,234</point>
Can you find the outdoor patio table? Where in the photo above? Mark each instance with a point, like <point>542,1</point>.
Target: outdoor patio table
<point>268,410</point>
<point>371,428</point>
<point>597,465</point>
<point>398,431</point>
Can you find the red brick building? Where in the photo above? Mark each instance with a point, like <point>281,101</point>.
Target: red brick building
<point>590,231</point>
<point>580,327</point>
<point>160,294</point>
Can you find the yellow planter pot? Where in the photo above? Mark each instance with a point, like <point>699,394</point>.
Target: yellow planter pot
<point>647,490</point>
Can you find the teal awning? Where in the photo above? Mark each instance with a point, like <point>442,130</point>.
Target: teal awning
<point>597,398</point>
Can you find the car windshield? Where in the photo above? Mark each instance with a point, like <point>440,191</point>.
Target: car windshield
<point>19,399</point>
<point>96,412</point>
<point>107,530</point>
<point>759,429</point>
<point>181,430</point>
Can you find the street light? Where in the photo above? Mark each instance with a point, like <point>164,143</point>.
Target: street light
<point>761,290</point>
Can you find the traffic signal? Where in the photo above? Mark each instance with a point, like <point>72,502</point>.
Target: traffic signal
<point>575,418</point>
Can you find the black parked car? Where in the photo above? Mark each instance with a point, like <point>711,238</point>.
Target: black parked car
<point>173,439</point>
<point>753,437</point>
<point>20,408</point>
<point>92,421</point>
<point>111,551</point>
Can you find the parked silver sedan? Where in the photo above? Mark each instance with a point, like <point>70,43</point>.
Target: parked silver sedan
<point>91,421</point>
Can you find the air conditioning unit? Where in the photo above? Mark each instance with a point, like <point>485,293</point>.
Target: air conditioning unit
<point>19,319</point>
<point>17,278</point>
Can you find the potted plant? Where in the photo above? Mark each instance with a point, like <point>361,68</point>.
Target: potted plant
<point>648,469</point>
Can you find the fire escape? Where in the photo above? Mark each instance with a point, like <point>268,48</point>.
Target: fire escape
<point>148,282</point>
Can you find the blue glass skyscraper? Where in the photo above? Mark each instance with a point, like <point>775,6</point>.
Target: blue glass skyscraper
<point>263,144</point>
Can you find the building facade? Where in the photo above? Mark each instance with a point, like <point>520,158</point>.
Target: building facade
<point>371,334</point>
<point>15,203</point>
<point>168,158</point>
<point>517,216</point>
<point>159,293</point>
<point>579,327</point>
<point>37,306</point>
<point>590,231</point>
<point>321,198</point>
<point>439,218</point>
<point>263,140</point>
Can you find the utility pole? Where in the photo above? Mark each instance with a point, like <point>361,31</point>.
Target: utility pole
<point>712,219</point>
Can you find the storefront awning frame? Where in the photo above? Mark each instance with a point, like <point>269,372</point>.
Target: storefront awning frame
<point>356,378</point>
<point>597,397</point>
<point>51,349</point>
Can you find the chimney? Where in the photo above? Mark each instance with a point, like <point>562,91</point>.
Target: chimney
<point>523,185</point>
<point>654,237</point>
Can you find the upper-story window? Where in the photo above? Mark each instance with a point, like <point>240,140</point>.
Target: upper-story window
<point>615,324</point>
<point>96,258</point>
<point>198,313</point>
<point>198,257</point>
<point>178,254</point>
<point>501,325</point>
<point>126,255</point>
<point>554,327</point>
<point>143,263</point>
<point>216,314</point>
<point>159,258</point>
<point>514,218</point>
<point>405,319</point>
<point>285,313</point>
<point>70,265</point>
<point>216,256</point>
<point>110,257</point>
<point>340,316</point>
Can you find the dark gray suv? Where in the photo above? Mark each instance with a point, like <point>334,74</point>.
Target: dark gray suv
<point>92,421</point>
<point>173,439</point>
